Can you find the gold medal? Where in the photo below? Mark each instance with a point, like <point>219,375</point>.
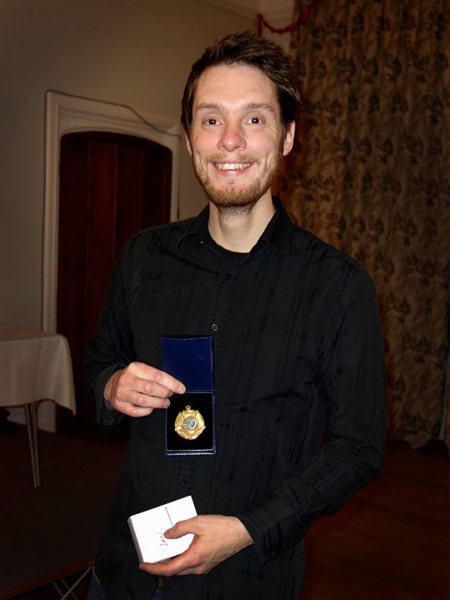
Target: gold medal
<point>189,424</point>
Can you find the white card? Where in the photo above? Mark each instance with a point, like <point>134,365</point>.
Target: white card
<point>148,527</point>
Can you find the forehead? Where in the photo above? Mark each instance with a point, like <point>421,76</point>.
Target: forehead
<point>231,85</point>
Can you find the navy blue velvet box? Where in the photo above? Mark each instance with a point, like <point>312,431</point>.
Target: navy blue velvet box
<point>190,419</point>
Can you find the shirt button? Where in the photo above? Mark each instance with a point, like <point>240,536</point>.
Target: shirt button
<point>215,327</point>
<point>182,481</point>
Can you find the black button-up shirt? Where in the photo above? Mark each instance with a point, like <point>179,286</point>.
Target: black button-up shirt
<point>299,383</point>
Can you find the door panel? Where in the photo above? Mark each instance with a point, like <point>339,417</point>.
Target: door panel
<point>111,186</point>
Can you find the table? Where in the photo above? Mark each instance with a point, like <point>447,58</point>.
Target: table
<point>34,365</point>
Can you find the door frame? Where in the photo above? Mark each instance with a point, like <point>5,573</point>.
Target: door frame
<point>67,114</point>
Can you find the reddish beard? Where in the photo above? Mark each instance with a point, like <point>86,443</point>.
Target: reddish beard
<point>235,195</point>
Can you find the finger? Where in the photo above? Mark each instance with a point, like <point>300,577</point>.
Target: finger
<point>168,568</point>
<point>131,404</point>
<point>143,400</point>
<point>134,411</point>
<point>141,392</point>
<point>181,528</point>
<point>156,376</point>
<point>151,389</point>
<point>125,392</point>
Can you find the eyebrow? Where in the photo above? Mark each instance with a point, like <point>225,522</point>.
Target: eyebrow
<point>205,106</point>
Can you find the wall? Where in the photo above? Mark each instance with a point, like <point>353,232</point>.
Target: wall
<point>135,52</point>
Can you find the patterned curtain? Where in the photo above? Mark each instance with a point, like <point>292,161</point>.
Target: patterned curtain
<point>370,174</point>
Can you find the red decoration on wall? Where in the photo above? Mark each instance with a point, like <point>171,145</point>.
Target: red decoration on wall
<point>303,17</point>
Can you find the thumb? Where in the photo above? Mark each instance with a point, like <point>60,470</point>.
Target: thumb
<point>178,530</point>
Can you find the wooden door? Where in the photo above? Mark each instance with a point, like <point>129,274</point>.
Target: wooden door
<point>111,186</point>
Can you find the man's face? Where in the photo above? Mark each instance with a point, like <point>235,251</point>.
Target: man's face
<point>237,138</point>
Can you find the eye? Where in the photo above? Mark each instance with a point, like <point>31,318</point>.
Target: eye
<point>255,120</point>
<point>211,122</point>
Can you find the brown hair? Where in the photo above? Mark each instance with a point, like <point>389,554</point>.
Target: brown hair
<point>246,48</point>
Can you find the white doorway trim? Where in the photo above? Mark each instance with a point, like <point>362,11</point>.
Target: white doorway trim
<point>65,114</point>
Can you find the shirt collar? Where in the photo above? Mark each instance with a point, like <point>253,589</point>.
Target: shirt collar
<point>277,234</point>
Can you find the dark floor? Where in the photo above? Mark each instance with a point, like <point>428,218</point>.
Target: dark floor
<point>54,530</point>
<point>391,542</point>
<point>49,592</point>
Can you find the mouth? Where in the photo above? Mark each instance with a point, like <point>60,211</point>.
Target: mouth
<point>232,167</point>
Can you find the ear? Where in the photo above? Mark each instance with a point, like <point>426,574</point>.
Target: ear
<point>188,143</point>
<point>289,138</point>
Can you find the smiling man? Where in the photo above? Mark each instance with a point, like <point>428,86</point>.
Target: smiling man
<point>236,140</point>
<point>296,357</point>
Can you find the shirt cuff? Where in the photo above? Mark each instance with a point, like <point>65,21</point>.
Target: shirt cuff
<point>106,416</point>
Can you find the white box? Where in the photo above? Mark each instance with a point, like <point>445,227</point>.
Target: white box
<point>148,527</point>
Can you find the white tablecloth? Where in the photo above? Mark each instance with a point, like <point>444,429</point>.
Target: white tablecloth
<point>34,365</point>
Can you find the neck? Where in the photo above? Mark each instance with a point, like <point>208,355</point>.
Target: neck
<point>239,229</point>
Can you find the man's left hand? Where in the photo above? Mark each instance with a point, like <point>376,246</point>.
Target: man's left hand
<point>216,538</point>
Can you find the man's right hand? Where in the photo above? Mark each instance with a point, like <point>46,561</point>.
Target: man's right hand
<point>138,389</point>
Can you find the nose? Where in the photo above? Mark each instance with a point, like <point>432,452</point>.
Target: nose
<point>232,137</point>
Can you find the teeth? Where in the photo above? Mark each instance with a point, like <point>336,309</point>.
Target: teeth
<point>232,166</point>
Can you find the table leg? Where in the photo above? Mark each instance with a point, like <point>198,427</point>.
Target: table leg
<point>30,417</point>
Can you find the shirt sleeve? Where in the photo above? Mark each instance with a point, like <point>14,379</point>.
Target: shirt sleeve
<point>352,384</point>
<point>111,348</point>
